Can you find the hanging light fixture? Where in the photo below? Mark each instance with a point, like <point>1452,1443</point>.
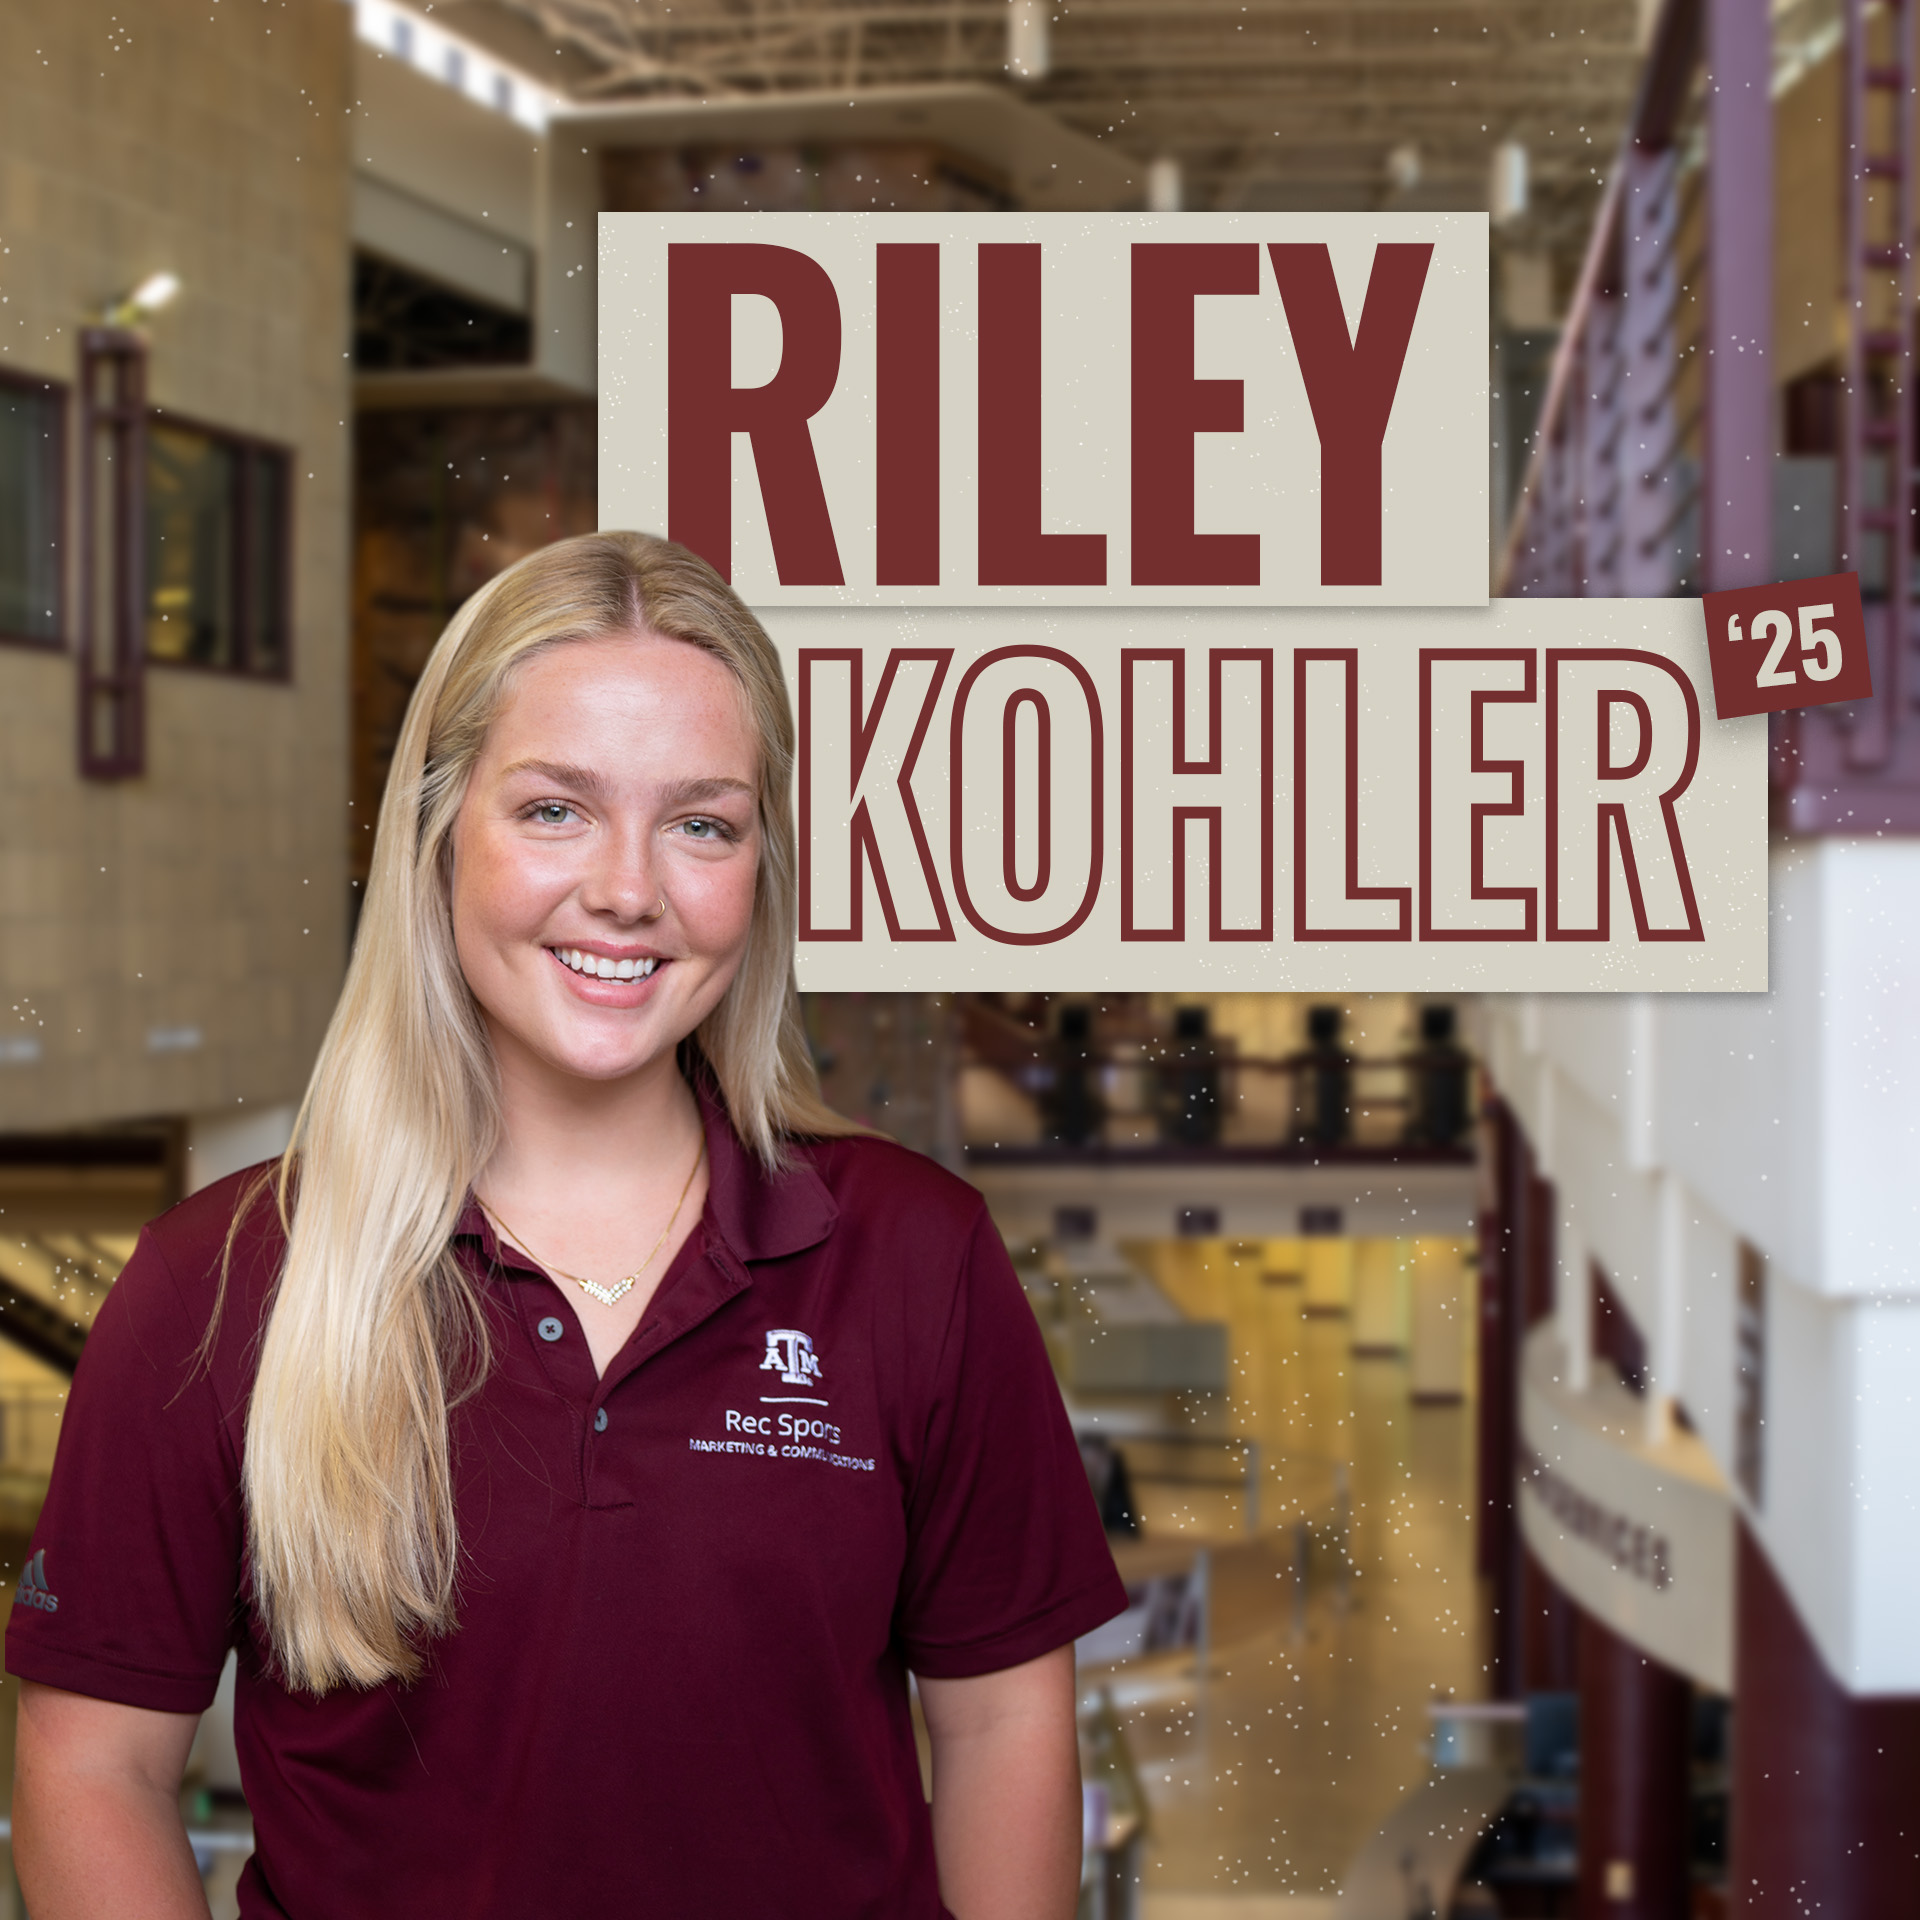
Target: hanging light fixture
<point>1027,51</point>
<point>1507,182</point>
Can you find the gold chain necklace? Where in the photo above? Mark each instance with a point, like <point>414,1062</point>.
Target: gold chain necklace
<point>606,1295</point>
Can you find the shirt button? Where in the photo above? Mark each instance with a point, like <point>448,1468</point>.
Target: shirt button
<point>600,1421</point>
<point>550,1328</point>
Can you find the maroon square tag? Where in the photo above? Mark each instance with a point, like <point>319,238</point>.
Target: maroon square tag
<point>1797,643</point>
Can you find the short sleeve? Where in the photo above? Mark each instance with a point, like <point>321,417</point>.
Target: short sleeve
<point>1006,1556</point>
<point>129,1591</point>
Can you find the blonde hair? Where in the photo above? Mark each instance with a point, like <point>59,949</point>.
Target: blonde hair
<point>375,1329</point>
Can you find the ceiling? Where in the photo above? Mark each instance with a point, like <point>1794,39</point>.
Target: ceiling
<point>1264,103</point>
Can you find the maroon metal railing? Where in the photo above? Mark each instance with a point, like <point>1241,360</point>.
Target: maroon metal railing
<point>1654,465</point>
<point>1610,502</point>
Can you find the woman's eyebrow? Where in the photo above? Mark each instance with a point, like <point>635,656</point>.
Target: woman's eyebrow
<point>683,793</point>
<point>691,792</point>
<point>580,779</point>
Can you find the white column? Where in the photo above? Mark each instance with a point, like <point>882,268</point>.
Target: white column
<point>1573,1298</point>
<point>222,1143</point>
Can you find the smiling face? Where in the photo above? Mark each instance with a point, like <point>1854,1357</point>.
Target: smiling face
<point>604,856</point>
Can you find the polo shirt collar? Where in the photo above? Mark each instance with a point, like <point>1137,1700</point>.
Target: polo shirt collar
<point>760,1215</point>
<point>754,1213</point>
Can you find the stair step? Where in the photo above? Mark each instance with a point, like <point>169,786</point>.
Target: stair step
<point>1885,256</point>
<point>1880,340</point>
<point>1891,78</point>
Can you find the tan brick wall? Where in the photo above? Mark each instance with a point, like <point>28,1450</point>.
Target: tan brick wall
<point>210,139</point>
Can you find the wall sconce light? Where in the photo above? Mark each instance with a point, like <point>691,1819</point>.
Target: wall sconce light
<point>153,293</point>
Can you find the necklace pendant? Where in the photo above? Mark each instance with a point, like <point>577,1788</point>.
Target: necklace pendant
<point>608,1295</point>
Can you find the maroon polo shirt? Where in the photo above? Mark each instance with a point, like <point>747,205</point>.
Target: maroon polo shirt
<point>690,1591</point>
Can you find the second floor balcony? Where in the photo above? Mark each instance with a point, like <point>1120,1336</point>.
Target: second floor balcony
<point>1054,1083</point>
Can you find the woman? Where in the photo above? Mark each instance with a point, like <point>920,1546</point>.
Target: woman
<point>597,1431</point>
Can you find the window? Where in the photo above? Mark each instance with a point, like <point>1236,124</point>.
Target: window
<point>32,482</point>
<point>216,551</point>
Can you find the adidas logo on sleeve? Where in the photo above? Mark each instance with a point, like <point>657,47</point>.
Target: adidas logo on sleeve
<point>33,1590</point>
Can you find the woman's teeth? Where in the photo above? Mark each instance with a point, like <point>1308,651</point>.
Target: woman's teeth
<point>599,967</point>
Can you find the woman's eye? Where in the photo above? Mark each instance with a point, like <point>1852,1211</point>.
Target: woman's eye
<point>704,827</point>
<point>553,813</point>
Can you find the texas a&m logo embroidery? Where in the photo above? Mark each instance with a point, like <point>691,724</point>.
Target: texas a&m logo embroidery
<point>790,1354</point>
<point>785,1436</point>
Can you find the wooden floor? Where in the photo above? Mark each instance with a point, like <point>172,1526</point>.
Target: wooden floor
<point>1264,1776</point>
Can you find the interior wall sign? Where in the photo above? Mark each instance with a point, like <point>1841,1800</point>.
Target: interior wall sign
<point>1183,410</point>
<point>1131,577</point>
